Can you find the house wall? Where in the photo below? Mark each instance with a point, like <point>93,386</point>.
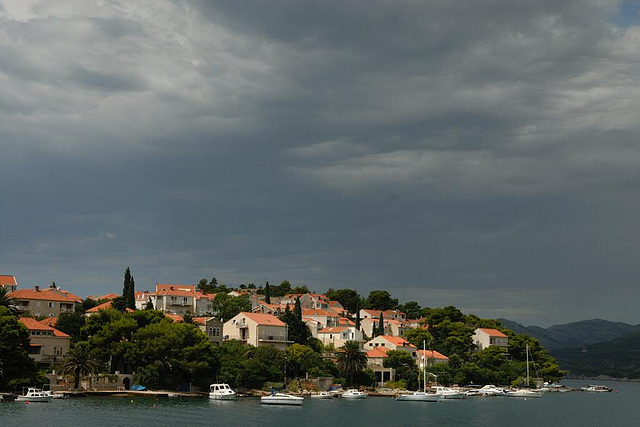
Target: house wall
<point>51,348</point>
<point>46,308</point>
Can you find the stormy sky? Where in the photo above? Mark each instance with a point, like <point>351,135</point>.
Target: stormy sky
<point>483,154</point>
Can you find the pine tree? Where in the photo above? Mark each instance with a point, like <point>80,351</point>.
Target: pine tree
<point>267,293</point>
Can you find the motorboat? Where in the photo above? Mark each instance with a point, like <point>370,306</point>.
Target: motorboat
<point>490,390</point>
<point>34,395</point>
<point>281,399</point>
<point>353,393</point>
<point>597,388</point>
<point>322,395</point>
<point>523,392</point>
<point>419,396</point>
<point>449,393</point>
<point>221,392</point>
<point>55,395</point>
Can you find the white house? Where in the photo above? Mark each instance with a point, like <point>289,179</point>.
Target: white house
<point>338,335</point>
<point>428,358</point>
<point>181,299</point>
<point>484,338</point>
<point>391,343</point>
<point>8,282</point>
<point>256,329</point>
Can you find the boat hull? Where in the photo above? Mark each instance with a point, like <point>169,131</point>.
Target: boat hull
<point>44,399</point>
<point>419,397</point>
<point>222,396</point>
<point>266,400</point>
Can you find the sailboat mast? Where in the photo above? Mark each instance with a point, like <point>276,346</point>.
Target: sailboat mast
<point>527,350</point>
<point>424,366</point>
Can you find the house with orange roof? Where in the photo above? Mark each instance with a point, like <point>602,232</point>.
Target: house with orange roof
<point>338,335</point>
<point>142,299</point>
<point>9,282</point>
<point>314,326</point>
<point>47,302</point>
<point>181,299</point>
<point>47,344</point>
<point>256,329</point>
<point>107,297</point>
<point>266,308</point>
<point>308,300</point>
<point>486,337</point>
<point>391,343</point>
<point>324,316</point>
<point>428,358</point>
<point>368,323</point>
<point>366,313</point>
<point>104,306</point>
<point>375,362</point>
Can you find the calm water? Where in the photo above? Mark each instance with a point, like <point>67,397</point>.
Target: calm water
<point>621,408</point>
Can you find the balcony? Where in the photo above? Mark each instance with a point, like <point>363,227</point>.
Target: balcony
<point>272,338</point>
<point>241,325</point>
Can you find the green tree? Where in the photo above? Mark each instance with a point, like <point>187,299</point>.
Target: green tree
<point>129,290</point>
<point>149,305</point>
<point>177,353</point>
<point>80,362</point>
<point>381,300</point>
<point>351,360</point>
<point>300,290</point>
<point>16,367</point>
<point>380,325</point>
<point>226,306</point>
<point>411,309</point>
<point>71,323</point>
<point>298,331</point>
<point>267,293</point>
<point>404,365</point>
<point>6,301</point>
<point>358,316</point>
<point>418,336</point>
<point>348,298</point>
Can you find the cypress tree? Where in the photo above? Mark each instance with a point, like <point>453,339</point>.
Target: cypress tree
<point>129,290</point>
<point>358,316</point>
<point>374,330</point>
<point>267,293</point>
<point>381,325</point>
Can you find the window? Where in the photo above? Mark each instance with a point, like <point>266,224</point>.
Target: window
<point>52,304</point>
<point>37,303</point>
<point>185,301</point>
<point>214,332</point>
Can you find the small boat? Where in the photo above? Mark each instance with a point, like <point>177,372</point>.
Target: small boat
<point>55,395</point>
<point>490,390</point>
<point>322,395</point>
<point>34,395</point>
<point>419,396</point>
<point>221,392</point>
<point>449,393</point>
<point>597,388</point>
<point>281,399</point>
<point>353,393</point>
<point>523,392</point>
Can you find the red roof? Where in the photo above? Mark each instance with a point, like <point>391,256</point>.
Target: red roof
<point>377,352</point>
<point>318,312</point>
<point>432,354</point>
<point>7,279</point>
<point>332,330</point>
<point>398,341</point>
<point>46,294</point>
<point>493,332</point>
<point>263,319</point>
<point>34,325</point>
<point>175,317</point>
<point>105,306</point>
<point>49,321</point>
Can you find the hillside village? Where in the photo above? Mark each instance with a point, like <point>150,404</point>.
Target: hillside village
<point>301,326</point>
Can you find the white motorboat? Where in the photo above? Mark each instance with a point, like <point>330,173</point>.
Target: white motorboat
<point>221,392</point>
<point>353,393</point>
<point>490,390</point>
<point>322,395</point>
<point>55,395</point>
<point>281,399</point>
<point>419,396</point>
<point>449,393</point>
<point>597,388</point>
<point>34,395</point>
<point>523,392</point>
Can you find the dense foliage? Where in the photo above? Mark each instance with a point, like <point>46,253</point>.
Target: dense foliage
<point>17,369</point>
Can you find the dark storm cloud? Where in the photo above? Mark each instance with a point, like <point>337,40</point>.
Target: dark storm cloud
<point>481,154</point>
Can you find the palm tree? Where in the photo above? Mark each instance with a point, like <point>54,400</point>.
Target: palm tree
<point>351,359</point>
<point>7,301</point>
<point>79,361</point>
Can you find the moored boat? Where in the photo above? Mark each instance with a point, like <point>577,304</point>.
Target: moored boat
<point>597,388</point>
<point>419,396</point>
<point>322,395</point>
<point>34,395</point>
<point>281,399</point>
<point>221,392</point>
<point>449,393</point>
<point>523,392</point>
<point>352,393</point>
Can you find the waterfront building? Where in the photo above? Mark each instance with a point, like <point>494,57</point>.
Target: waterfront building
<point>428,358</point>
<point>47,344</point>
<point>484,337</point>
<point>256,329</point>
<point>48,302</point>
<point>375,362</point>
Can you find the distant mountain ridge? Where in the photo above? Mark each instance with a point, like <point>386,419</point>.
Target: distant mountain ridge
<point>575,334</point>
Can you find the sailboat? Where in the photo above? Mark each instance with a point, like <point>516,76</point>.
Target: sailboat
<point>421,396</point>
<point>276,398</point>
<point>523,392</point>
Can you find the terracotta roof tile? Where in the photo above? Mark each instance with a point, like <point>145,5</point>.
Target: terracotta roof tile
<point>263,319</point>
<point>377,352</point>
<point>333,330</point>
<point>432,354</point>
<point>7,279</point>
<point>34,325</point>
<point>45,294</point>
<point>493,332</point>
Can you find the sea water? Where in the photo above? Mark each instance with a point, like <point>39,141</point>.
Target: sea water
<point>619,408</point>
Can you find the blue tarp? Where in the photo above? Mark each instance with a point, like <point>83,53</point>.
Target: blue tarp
<point>137,387</point>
